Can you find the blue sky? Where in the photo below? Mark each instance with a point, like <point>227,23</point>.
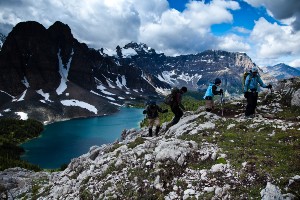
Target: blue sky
<point>267,30</point>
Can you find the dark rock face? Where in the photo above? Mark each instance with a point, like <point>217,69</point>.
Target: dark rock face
<point>28,52</point>
<point>54,63</point>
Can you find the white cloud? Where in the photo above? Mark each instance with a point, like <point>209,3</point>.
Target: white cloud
<point>273,40</point>
<point>295,63</point>
<point>189,31</point>
<point>273,44</point>
<point>108,23</point>
<point>241,30</point>
<point>234,43</point>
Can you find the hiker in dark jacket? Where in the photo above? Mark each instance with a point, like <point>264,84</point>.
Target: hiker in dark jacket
<point>251,91</point>
<point>210,93</point>
<point>152,114</point>
<point>177,107</point>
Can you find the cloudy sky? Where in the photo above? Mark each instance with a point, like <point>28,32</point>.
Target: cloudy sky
<point>267,30</point>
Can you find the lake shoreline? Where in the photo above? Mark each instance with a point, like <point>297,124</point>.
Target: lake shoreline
<point>60,142</point>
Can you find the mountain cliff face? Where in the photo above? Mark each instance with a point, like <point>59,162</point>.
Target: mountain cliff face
<point>48,75</point>
<point>204,156</point>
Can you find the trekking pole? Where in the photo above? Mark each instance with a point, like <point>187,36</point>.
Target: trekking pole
<point>222,102</point>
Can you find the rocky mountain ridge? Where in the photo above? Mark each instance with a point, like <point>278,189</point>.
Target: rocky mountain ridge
<point>204,156</point>
<point>47,75</point>
<point>282,71</point>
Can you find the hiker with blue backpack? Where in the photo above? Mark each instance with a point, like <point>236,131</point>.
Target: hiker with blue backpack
<point>251,91</point>
<point>211,91</point>
<point>152,114</point>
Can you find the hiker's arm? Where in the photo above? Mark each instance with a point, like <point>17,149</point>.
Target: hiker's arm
<point>214,90</point>
<point>261,83</point>
<point>179,98</point>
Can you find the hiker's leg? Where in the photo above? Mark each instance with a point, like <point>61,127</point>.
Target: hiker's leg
<point>255,97</point>
<point>151,122</point>
<point>208,105</point>
<point>150,132</point>
<point>157,123</point>
<point>178,114</point>
<point>250,104</point>
<point>157,130</point>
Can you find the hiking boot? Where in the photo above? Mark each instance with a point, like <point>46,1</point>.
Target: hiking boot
<point>168,126</point>
<point>157,131</point>
<point>150,132</point>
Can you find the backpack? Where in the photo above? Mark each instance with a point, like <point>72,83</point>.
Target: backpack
<point>170,98</point>
<point>245,76</point>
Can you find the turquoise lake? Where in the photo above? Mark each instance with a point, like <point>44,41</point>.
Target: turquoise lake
<point>62,141</point>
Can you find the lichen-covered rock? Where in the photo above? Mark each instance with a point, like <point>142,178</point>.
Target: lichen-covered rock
<point>296,98</point>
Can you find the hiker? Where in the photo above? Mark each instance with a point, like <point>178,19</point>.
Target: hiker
<point>251,91</point>
<point>210,93</point>
<point>177,107</point>
<point>152,114</point>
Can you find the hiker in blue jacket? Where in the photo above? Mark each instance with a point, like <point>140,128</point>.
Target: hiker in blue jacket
<point>210,93</point>
<point>251,91</point>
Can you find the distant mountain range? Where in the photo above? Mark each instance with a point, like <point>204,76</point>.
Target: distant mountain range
<point>46,74</point>
<point>282,71</point>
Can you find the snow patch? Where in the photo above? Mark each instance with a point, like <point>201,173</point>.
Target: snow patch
<point>45,95</point>
<point>21,98</point>
<point>102,89</point>
<point>110,98</point>
<point>73,102</point>
<point>128,53</point>
<point>23,116</point>
<point>63,71</point>
<point>7,94</point>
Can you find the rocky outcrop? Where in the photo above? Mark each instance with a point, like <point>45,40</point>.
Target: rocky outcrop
<point>291,90</point>
<point>296,98</point>
<point>171,166</point>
